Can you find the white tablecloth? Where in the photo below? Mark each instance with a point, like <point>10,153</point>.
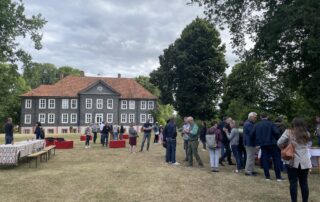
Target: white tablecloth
<point>9,154</point>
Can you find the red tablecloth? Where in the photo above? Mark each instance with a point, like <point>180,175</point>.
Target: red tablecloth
<point>125,136</point>
<point>61,144</point>
<point>83,138</point>
<point>117,144</point>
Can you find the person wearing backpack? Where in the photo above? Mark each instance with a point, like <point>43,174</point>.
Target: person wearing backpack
<point>298,166</point>
<point>213,141</point>
<point>233,137</point>
<point>193,143</point>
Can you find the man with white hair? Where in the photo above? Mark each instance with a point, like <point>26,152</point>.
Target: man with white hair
<point>193,142</point>
<point>249,144</point>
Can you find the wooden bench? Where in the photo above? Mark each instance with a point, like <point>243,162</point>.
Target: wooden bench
<point>36,156</point>
<point>49,149</point>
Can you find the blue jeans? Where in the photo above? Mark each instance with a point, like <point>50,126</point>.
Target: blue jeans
<point>104,139</point>
<point>8,139</point>
<point>171,150</point>
<point>87,140</point>
<point>147,137</point>
<point>267,153</point>
<point>115,136</point>
<point>236,154</point>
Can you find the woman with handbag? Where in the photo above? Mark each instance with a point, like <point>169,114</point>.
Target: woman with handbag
<point>294,150</point>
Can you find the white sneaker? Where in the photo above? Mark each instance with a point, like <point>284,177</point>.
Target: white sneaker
<point>268,179</point>
<point>86,147</point>
<point>280,180</point>
<point>176,164</point>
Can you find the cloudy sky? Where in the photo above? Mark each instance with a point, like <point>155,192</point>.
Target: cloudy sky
<point>108,37</point>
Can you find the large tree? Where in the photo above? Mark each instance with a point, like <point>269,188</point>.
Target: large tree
<point>191,72</point>
<point>286,34</point>
<point>15,24</point>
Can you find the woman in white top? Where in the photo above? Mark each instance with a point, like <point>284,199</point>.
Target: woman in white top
<point>298,167</point>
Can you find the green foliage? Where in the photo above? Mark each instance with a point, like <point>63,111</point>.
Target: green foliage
<point>145,82</point>
<point>15,24</point>
<point>12,85</point>
<point>191,72</point>
<point>67,70</point>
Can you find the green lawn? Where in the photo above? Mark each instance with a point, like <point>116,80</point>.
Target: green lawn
<point>100,174</point>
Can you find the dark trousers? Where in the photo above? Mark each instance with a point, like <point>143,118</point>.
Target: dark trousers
<point>171,150</point>
<point>156,139</point>
<point>243,155</point>
<point>235,151</point>
<point>185,147</point>
<point>94,137</point>
<point>267,153</point>
<point>204,144</point>
<point>104,139</point>
<point>8,139</point>
<point>294,175</point>
<point>87,140</point>
<point>145,137</point>
<point>193,151</point>
<point>227,153</point>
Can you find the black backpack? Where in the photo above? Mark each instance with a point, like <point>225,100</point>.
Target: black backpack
<point>42,134</point>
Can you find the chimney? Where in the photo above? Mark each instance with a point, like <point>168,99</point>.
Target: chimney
<point>119,75</point>
<point>82,73</point>
<point>61,76</point>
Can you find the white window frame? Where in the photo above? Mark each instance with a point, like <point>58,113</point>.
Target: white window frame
<point>42,105</point>
<point>88,118</point>
<point>88,103</point>
<point>145,118</point>
<point>124,104</point>
<point>109,118</point>
<point>131,118</point>
<point>149,102</point>
<point>74,101</point>
<point>150,118</point>
<point>42,119</point>
<point>53,102</point>
<point>132,104</point>
<point>28,104</point>
<point>109,103</point>
<point>65,103</point>
<point>123,118</point>
<point>96,118</point>
<point>73,118</point>
<point>27,118</point>
<point>99,104</point>
<point>143,103</point>
<point>53,117</point>
<point>66,118</point>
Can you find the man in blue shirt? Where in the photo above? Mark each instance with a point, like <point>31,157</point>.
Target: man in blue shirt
<point>147,128</point>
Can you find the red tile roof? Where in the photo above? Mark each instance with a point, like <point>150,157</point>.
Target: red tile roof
<point>70,86</point>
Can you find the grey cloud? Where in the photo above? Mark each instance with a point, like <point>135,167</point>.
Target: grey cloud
<point>110,37</point>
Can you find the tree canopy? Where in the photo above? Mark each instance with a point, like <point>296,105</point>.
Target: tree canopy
<point>191,72</point>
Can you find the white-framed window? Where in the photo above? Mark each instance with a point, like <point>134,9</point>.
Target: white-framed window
<point>88,118</point>
<point>73,118</point>
<point>150,104</point>
<point>110,103</point>
<point>42,103</point>
<point>88,103</point>
<point>131,118</point>
<point>27,118</point>
<point>99,118</point>
<point>42,118</point>
<point>51,118</point>
<point>123,118</point>
<point>150,118</point>
<point>109,118</point>
<point>65,103</point>
<point>74,103</point>
<point>64,118</point>
<point>28,104</point>
<point>132,104</point>
<point>51,103</point>
<point>124,104</point>
<point>99,104</point>
<point>143,104</point>
<point>143,118</point>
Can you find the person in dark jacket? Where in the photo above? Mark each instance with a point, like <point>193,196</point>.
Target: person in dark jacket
<point>105,135</point>
<point>203,133</point>
<point>170,135</point>
<point>8,130</point>
<point>225,146</point>
<point>38,131</point>
<point>266,134</point>
<point>249,144</point>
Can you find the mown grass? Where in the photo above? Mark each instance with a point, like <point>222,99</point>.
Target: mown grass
<point>100,174</point>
